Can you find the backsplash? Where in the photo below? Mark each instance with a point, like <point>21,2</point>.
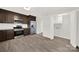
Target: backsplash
<point>6,26</point>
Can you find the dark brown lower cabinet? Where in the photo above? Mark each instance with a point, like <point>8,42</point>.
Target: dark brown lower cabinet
<point>2,35</point>
<point>6,35</point>
<point>10,34</point>
<point>26,31</point>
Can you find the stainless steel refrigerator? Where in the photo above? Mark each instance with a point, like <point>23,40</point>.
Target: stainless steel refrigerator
<point>32,27</point>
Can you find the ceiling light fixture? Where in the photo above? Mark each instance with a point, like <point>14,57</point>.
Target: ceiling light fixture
<point>27,8</point>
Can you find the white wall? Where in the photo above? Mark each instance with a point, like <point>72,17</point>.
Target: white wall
<point>63,30</point>
<point>48,28</point>
<point>45,26</point>
<point>77,28</point>
<point>73,28</point>
<point>39,21</point>
<point>52,26</point>
<point>8,26</point>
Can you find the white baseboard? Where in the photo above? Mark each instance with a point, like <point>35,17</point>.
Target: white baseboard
<point>62,37</point>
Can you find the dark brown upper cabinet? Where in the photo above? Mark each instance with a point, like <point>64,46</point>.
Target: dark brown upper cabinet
<point>20,18</point>
<point>10,17</point>
<point>32,18</point>
<point>6,16</point>
<point>25,19</point>
<point>2,16</point>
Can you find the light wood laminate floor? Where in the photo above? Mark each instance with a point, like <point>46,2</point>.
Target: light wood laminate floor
<point>37,43</point>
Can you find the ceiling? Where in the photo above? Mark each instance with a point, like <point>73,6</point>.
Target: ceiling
<point>41,10</point>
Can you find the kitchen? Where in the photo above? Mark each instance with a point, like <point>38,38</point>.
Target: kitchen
<point>14,24</point>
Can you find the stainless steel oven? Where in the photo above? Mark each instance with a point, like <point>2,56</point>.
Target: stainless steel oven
<point>18,30</point>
